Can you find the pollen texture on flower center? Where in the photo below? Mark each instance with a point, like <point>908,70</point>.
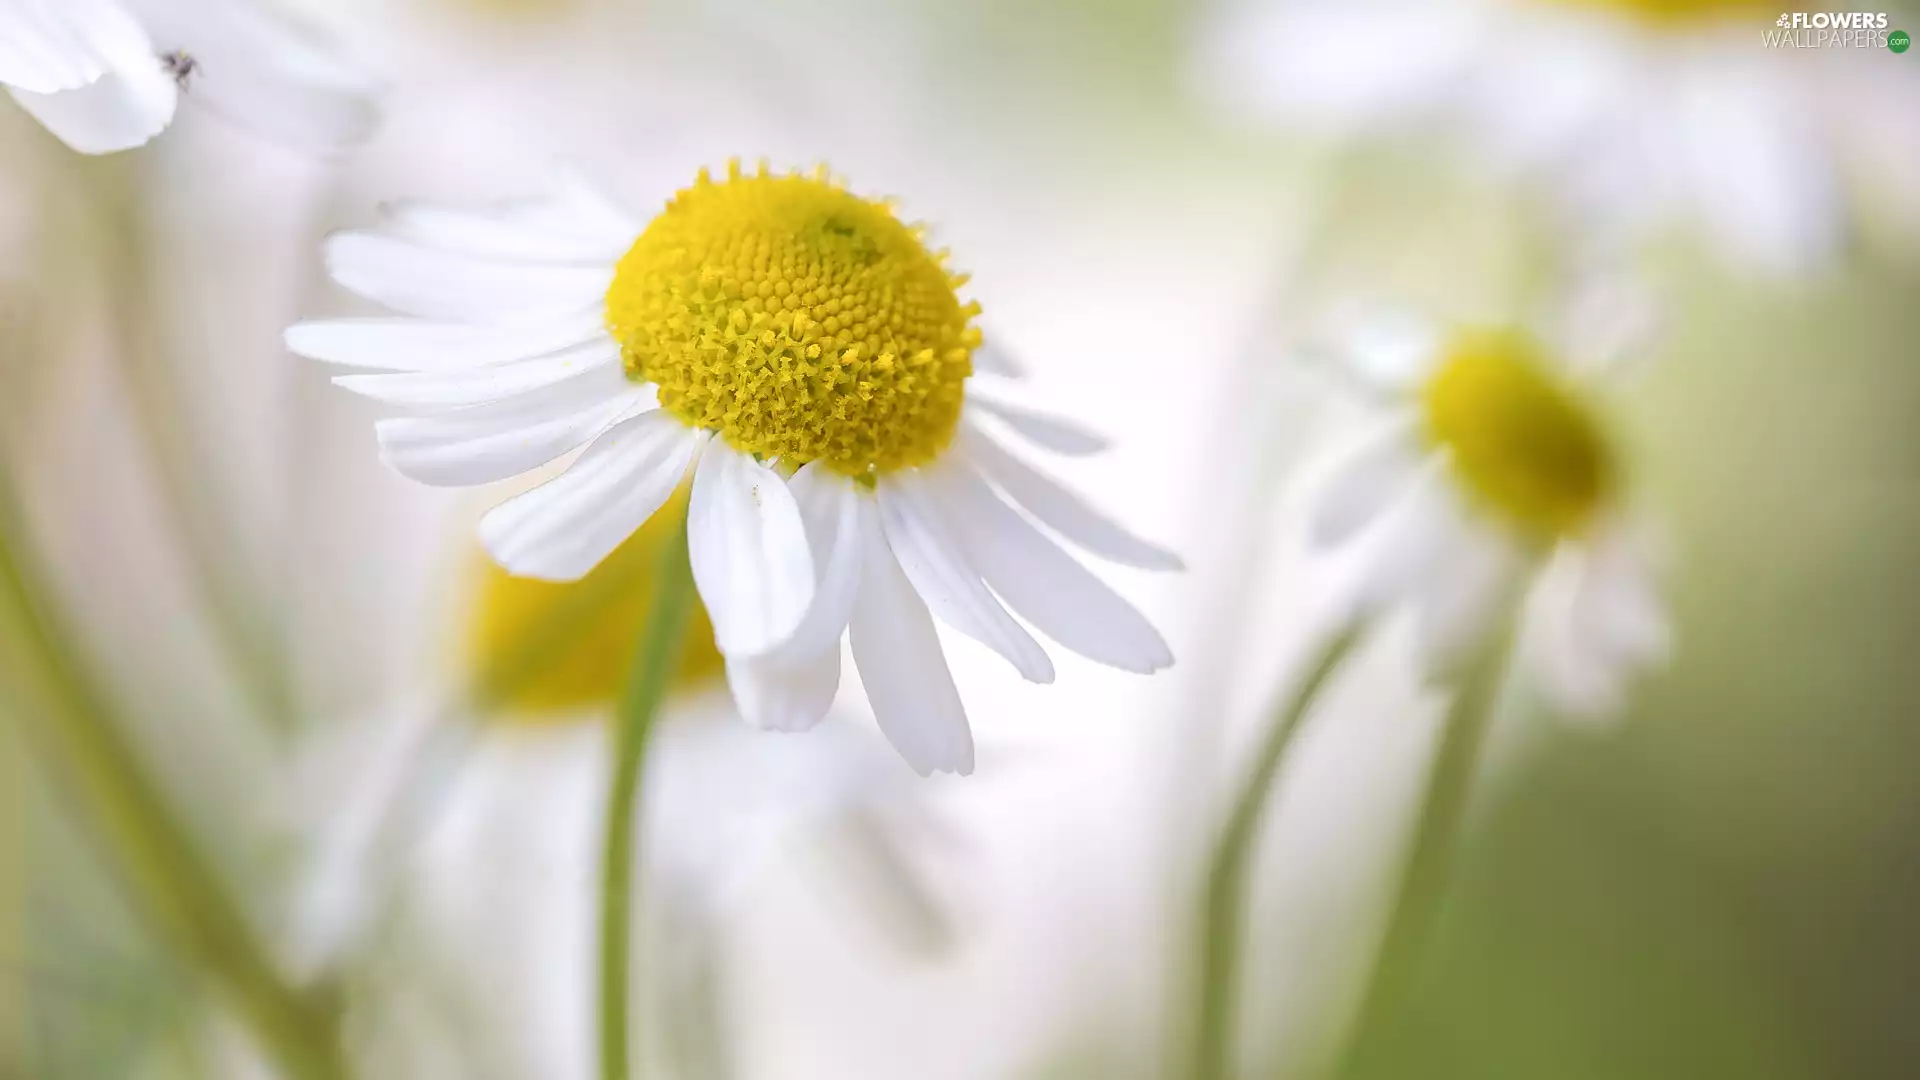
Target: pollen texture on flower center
<point>1520,440</point>
<point>798,321</point>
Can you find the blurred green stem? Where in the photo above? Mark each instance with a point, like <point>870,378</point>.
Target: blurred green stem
<point>167,875</point>
<point>244,625</point>
<point>655,662</point>
<point>1430,856</point>
<point>1227,875</point>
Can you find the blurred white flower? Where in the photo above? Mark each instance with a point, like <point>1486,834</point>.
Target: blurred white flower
<point>107,75</point>
<point>475,844</point>
<point>758,324</point>
<point>1487,471</point>
<point>1635,113</point>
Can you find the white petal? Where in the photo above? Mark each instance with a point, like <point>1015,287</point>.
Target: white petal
<point>476,386</point>
<point>591,211</point>
<point>832,508</point>
<point>1043,583</point>
<point>1059,509</point>
<point>1760,171</point>
<point>563,528</point>
<point>484,443</point>
<point>1621,606</point>
<point>992,361</point>
<point>1051,432</point>
<point>434,284</point>
<point>44,47</point>
<point>1595,620</point>
<point>934,562</point>
<point>1610,325</point>
<point>749,552</point>
<point>1362,479</point>
<point>1473,576</point>
<point>905,673</point>
<point>1339,68</point>
<point>784,696</point>
<point>512,232</point>
<point>130,102</point>
<point>403,344</point>
<point>1390,353</point>
<point>264,71</point>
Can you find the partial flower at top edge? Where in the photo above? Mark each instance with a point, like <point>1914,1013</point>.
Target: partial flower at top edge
<point>105,76</point>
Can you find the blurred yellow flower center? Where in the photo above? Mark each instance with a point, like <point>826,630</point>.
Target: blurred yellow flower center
<point>798,321</point>
<point>541,649</point>
<point>1521,441</point>
<point>1677,11</point>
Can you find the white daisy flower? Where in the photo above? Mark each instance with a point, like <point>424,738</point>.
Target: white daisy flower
<point>1637,112</point>
<point>107,75</point>
<point>759,325</point>
<point>1488,478</point>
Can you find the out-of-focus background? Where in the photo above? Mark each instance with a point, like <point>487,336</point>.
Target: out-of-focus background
<point>1718,882</point>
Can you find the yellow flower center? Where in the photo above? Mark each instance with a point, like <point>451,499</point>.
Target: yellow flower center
<point>798,321</point>
<point>537,649</point>
<point>1671,12</point>
<point>1520,439</point>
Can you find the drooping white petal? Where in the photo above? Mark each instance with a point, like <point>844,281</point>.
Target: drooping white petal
<point>563,528</point>
<point>790,687</point>
<point>784,695</point>
<point>903,669</point>
<point>436,284</point>
<point>749,552</point>
<point>130,101</point>
<point>832,508</point>
<point>1041,582</point>
<point>42,47</point>
<point>1362,479</point>
<point>1054,433</point>
<point>1594,620</point>
<point>484,443</point>
<point>1059,509</point>
<point>933,560</point>
<point>476,386</point>
<point>1620,606</point>
<point>402,344</point>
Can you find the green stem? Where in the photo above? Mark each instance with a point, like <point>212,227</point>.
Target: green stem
<point>657,659</point>
<point>1227,874</point>
<point>170,878</point>
<point>1430,857</point>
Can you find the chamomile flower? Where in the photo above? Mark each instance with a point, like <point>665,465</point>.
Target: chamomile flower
<point>1489,478</point>
<point>1637,113</point>
<point>801,352</point>
<point>107,75</point>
